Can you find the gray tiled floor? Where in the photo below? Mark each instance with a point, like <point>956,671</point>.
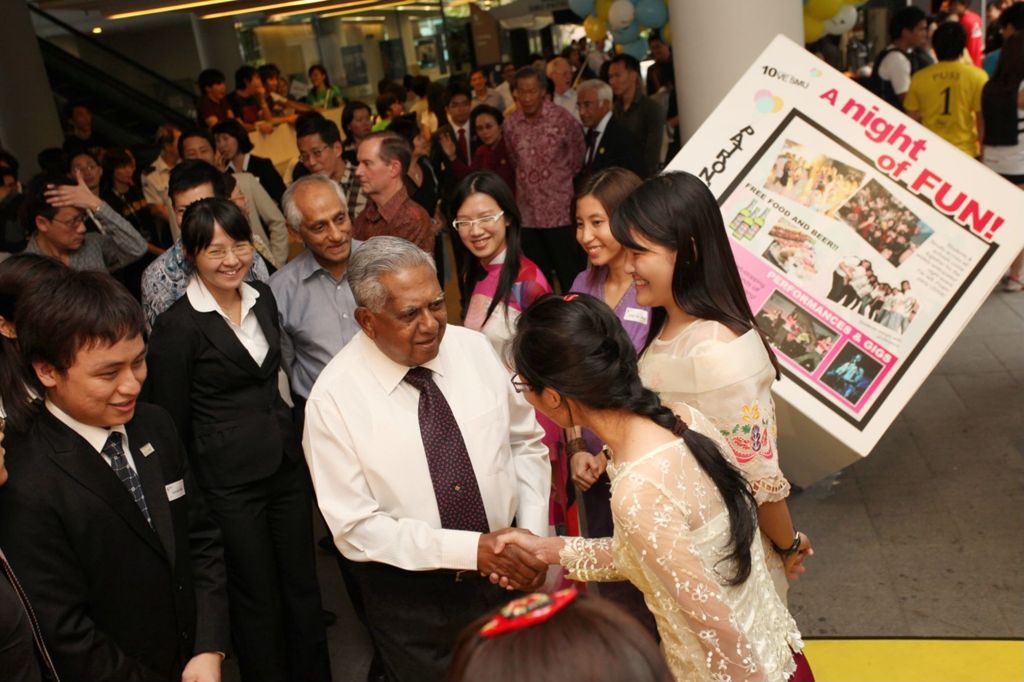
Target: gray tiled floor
<point>925,537</point>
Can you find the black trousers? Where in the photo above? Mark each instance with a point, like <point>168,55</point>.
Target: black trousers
<point>276,623</point>
<point>414,617</point>
<point>555,249</point>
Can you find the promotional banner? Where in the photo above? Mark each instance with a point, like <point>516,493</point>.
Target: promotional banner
<point>864,241</point>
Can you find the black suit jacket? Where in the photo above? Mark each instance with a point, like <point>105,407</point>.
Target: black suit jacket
<point>445,169</point>
<point>116,598</point>
<point>617,147</point>
<point>268,176</point>
<point>227,408</point>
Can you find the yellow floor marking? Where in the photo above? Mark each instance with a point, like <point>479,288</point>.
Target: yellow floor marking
<point>916,660</point>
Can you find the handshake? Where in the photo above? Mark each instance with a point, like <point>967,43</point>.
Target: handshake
<point>516,559</point>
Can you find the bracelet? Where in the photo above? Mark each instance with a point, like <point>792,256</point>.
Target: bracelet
<point>792,549</point>
<point>576,445</point>
<point>606,452</point>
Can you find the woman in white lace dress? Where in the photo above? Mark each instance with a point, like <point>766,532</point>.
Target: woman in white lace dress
<point>684,518</point>
<point>705,348</point>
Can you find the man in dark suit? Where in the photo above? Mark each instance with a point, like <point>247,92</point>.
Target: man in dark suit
<point>609,142</point>
<point>457,106</point>
<point>102,520</point>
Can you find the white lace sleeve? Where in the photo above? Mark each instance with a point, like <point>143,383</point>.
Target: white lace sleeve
<point>656,510</point>
<point>589,560</point>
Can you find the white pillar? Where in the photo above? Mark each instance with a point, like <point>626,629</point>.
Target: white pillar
<point>29,121</point>
<point>713,43</point>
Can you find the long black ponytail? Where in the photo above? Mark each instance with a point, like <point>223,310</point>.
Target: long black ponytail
<point>577,346</point>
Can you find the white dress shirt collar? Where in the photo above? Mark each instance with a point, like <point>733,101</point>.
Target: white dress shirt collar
<point>204,302</point>
<point>245,164</point>
<point>388,372</point>
<point>603,123</point>
<point>96,436</point>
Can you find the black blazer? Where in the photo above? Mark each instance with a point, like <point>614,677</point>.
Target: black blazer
<point>116,598</point>
<point>227,408</point>
<point>267,174</point>
<point>617,147</point>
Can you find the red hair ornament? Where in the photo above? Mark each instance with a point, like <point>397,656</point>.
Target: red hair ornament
<point>526,611</point>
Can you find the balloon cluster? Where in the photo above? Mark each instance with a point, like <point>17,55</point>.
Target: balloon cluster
<point>834,17</point>
<point>625,19</point>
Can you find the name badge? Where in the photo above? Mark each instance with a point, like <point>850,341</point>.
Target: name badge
<point>146,450</point>
<point>636,315</point>
<point>175,490</point>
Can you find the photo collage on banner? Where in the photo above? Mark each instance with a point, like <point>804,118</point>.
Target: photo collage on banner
<point>865,242</point>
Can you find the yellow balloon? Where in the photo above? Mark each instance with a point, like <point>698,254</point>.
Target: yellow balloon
<point>813,29</point>
<point>597,29</point>
<point>822,9</point>
<point>666,34</point>
<point>601,9</point>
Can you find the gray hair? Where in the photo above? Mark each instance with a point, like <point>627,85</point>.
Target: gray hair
<point>378,256</point>
<point>531,72</point>
<point>292,213</point>
<point>603,90</point>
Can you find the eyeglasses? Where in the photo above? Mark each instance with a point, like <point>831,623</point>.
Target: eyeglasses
<point>86,167</point>
<point>220,253</point>
<point>519,384</point>
<point>312,153</point>
<point>73,223</point>
<point>485,221</point>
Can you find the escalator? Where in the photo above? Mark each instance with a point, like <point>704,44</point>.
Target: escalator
<point>128,101</point>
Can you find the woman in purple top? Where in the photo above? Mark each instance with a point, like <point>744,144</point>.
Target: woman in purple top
<point>605,279</point>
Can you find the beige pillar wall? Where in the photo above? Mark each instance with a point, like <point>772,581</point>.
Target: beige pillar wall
<point>218,46</point>
<point>713,43</point>
<point>28,115</point>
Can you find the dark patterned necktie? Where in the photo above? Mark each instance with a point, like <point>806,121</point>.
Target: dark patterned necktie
<point>37,634</point>
<point>463,146</point>
<point>591,143</point>
<point>119,463</point>
<point>451,471</point>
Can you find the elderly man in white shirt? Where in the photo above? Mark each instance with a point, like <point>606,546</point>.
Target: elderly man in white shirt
<point>421,451</point>
<point>559,71</point>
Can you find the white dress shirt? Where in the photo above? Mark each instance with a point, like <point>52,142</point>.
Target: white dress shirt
<point>249,333</point>
<point>96,436</point>
<point>369,469</point>
<point>567,100</point>
<point>245,164</point>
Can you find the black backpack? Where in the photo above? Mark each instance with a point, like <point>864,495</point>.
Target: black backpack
<point>883,88</point>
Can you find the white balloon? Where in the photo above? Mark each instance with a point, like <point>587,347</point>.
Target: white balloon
<point>620,14</point>
<point>842,21</point>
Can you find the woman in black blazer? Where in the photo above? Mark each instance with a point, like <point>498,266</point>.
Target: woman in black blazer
<point>213,364</point>
<point>234,145</point>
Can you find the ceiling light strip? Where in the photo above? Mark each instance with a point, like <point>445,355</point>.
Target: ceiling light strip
<point>167,8</point>
<point>260,8</point>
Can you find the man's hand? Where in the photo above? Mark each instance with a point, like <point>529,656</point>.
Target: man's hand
<point>204,667</point>
<point>586,468</point>
<point>510,566</point>
<point>78,195</point>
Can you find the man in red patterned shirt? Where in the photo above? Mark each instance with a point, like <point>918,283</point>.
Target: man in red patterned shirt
<point>546,146</point>
<point>383,163</point>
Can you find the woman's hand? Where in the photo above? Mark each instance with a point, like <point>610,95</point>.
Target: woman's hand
<point>78,195</point>
<point>794,563</point>
<point>586,468</point>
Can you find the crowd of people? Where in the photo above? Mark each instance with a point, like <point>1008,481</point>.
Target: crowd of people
<point>884,223</point>
<point>856,286</point>
<point>963,84</point>
<point>197,354</point>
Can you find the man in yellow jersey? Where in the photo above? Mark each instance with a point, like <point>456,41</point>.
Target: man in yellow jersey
<point>946,96</point>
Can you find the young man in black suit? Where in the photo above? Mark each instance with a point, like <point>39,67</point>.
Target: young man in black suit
<point>102,520</point>
<point>609,142</point>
